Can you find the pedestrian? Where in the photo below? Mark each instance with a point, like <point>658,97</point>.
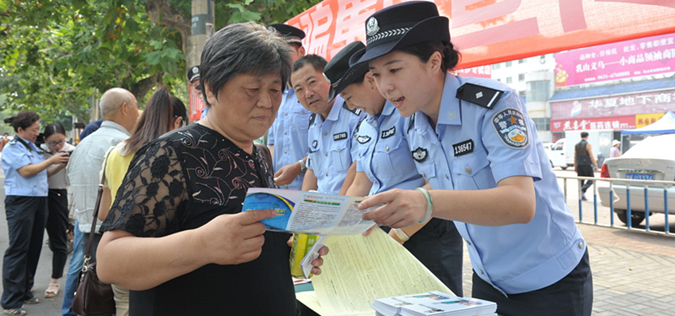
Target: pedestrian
<point>57,204</point>
<point>331,127</point>
<point>120,114</point>
<point>473,141</point>
<point>4,140</point>
<point>615,151</point>
<point>584,163</point>
<point>26,191</point>
<point>287,138</point>
<point>176,235</point>
<point>383,163</point>
<point>162,114</point>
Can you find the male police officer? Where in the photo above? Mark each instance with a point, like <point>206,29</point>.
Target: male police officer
<point>287,138</point>
<point>330,127</point>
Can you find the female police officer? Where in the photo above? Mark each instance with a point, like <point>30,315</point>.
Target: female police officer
<point>475,144</point>
<point>383,163</point>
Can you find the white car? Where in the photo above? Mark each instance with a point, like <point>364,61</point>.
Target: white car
<point>651,159</point>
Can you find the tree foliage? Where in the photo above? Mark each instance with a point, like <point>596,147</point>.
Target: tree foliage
<point>57,56</point>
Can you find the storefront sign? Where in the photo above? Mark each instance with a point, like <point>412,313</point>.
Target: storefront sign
<point>642,120</point>
<point>491,31</point>
<point>621,105</point>
<point>639,57</point>
<point>616,122</point>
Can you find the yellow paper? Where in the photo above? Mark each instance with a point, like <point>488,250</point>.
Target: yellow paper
<point>360,269</point>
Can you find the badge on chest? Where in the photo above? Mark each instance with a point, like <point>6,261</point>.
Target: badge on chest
<point>363,139</point>
<point>340,136</point>
<point>420,154</point>
<point>463,148</point>
<point>389,133</point>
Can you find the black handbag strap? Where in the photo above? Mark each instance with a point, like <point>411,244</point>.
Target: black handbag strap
<point>92,231</point>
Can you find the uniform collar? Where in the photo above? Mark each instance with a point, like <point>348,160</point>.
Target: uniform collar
<point>449,111</point>
<point>289,92</point>
<point>388,108</point>
<point>26,142</point>
<point>334,114</point>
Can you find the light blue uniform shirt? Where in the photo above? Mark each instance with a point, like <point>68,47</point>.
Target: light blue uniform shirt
<point>15,156</point>
<point>477,147</point>
<point>383,154</point>
<point>331,146</point>
<point>288,134</point>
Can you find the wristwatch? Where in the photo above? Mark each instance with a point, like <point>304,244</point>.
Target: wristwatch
<point>303,166</point>
<point>401,234</point>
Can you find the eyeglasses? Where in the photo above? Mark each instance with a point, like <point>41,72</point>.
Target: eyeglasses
<point>61,142</point>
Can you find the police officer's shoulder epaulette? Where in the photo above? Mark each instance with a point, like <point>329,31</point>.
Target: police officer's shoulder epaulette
<point>355,111</point>
<point>311,120</point>
<point>481,95</point>
<point>411,122</point>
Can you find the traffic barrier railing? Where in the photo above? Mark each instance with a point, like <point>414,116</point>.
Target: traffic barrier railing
<point>646,184</point>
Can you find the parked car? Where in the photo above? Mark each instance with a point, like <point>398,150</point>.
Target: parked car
<point>557,154</point>
<point>651,159</point>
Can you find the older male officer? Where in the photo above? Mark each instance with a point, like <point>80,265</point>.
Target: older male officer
<point>287,138</point>
<point>330,127</point>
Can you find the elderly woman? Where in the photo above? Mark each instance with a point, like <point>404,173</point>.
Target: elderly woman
<point>175,234</point>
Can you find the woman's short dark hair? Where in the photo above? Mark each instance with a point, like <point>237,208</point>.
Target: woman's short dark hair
<point>53,128</point>
<point>243,48</point>
<point>156,120</point>
<point>23,119</point>
<point>424,51</point>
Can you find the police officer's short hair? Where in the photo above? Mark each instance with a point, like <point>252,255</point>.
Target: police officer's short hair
<point>243,48</point>
<point>584,134</point>
<point>23,119</point>
<point>317,62</point>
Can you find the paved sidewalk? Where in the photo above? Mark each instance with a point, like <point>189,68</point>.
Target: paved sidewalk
<point>634,272</point>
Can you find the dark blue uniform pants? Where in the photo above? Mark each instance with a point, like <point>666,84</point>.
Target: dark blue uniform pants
<point>26,220</point>
<point>571,296</point>
<point>438,245</point>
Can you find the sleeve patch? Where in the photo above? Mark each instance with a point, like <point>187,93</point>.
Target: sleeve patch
<point>511,128</point>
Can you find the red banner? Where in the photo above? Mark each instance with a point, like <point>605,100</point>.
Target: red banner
<point>196,103</point>
<point>492,31</point>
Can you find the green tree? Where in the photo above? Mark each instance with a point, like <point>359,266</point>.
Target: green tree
<point>57,56</point>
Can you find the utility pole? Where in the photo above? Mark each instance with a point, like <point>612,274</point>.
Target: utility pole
<point>203,25</point>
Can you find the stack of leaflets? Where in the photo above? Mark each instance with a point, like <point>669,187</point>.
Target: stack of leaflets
<point>433,303</point>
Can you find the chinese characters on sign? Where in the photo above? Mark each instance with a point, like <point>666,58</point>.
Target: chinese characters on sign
<point>640,57</point>
<point>620,122</point>
<point>480,72</point>
<point>620,105</point>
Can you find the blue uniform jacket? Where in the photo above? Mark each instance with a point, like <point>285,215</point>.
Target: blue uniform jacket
<point>473,148</point>
<point>288,134</point>
<point>331,146</point>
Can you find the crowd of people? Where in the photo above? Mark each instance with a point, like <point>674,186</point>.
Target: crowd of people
<point>449,160</point>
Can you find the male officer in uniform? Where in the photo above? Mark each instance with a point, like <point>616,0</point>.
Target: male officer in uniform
<point>287,138</point>
<point>330,127</point>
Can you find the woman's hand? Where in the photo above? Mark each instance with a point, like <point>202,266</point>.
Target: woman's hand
<point>401,208</point>
<point>59,158</point>
<point>234,238</point>
<point>318,262</point>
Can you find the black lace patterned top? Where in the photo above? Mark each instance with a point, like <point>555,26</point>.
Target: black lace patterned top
<point>181,181</point>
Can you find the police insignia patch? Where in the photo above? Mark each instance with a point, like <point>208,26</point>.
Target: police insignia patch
<point>315,143</point>
<point>511,128</point>
<point>419,154</point>
<point>363,139</point>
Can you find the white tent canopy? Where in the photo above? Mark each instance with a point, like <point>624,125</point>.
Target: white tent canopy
<point>664,125</point>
